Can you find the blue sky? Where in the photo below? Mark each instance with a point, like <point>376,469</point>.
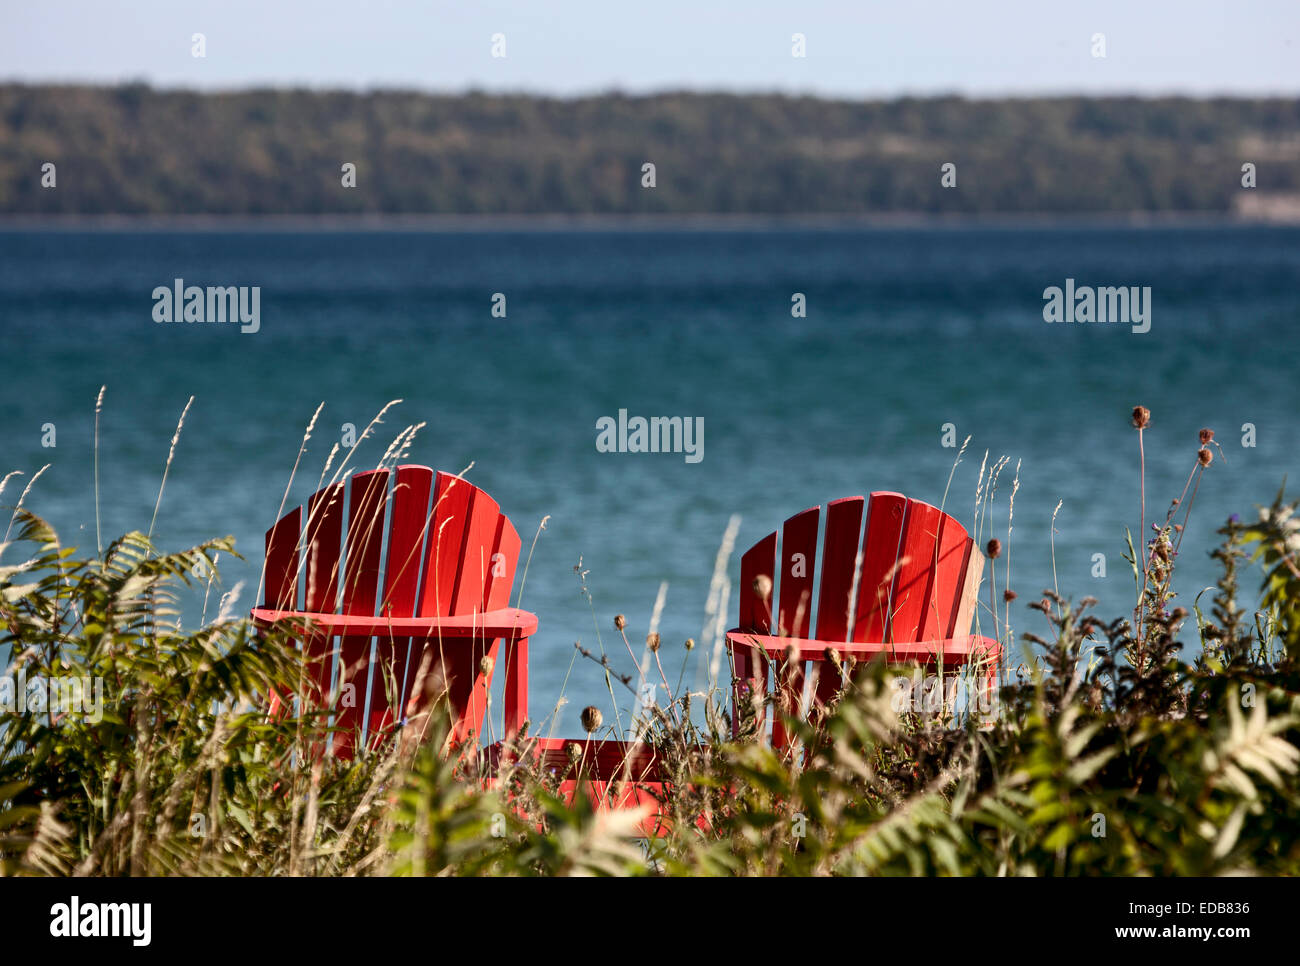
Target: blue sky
<point>853,49</point>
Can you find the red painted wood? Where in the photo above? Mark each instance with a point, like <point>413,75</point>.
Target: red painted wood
<point>501,572</point>
<point>451,670</point>
<point>798,557</point>
<point>321,574</point>
<point>446,587</point>
<point>408,522</point>
<point>911,614</point>
<point>509,622</point>
<point>949,577</point>
<point>282,560</point>
<point>758,564</point>
<point>324,534</point>
<point>614,775</point>
<point>759,561</point>
<point>514,654</point>
<point>364,541</point>
<point>919,573</point>
<point>362,544</point>
<point>407,527</point>
<point>885,517</point>
<point>469,669</point>
<point>962,649</point>
<point>475,563</point>
<point>798,560</point>
<point>443,546</point>
<point>885,513</point>
<point>839,560</point>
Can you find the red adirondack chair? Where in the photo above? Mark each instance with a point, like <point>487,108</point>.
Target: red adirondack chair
<point>914,599</point>
<point>447,570</point>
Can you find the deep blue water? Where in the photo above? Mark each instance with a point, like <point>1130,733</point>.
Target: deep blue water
<point>906,330</point>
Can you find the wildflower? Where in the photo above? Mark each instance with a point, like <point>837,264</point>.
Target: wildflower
<point>620,622</point>
<point>994,548</point>
<point>486,665</point>
<point>1206,436</point>
<point>1009,595</point>
<point>690,643</point>
<point>1141,417</point>
<point>591,718</point>
<point>1204,456</point>
<point>763,586</point>
<point>652,640</point>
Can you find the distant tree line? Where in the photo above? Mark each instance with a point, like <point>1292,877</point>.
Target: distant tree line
<point>135,150</point>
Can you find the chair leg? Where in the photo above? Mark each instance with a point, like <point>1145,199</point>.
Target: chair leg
<point>516,686</point>
<point>740,689</point>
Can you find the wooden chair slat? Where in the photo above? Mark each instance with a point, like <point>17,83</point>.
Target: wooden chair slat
<point>282,560</point>
<point>364,541</point>
<point>362,544</point>
<point>407,525</point>
<point>798,557</point>
<point>443,545</point>
<point>321,565</point>
<point>757,581</point>
<point>467,687</point>
<point>324,533</point>
<point>758,562</point>
<point>839,561</point>
<point>794,615</point>
<point>952,558</point>
<point>911,617</point>
<point>514,657</point>
<point>968,596</point>
<point>474,573</point>
<point>886,514</point>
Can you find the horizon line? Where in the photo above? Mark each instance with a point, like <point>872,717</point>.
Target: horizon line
<point>617,91</point>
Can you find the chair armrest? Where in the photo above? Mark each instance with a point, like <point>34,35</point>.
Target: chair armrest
<point>955,650</point>
<point>510,623</point>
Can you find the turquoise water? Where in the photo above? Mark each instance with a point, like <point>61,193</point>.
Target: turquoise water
<point>906,330</point>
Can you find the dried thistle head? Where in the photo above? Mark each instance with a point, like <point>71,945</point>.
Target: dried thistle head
<point>1204,456</point>
<point>620,622</point>
<point>1009,595</point>
<point>486,665</point>
<point>1141,417</point>
<point>591,719</point>
<point>1206,436</point>
<point>690,643</point>
<point>652,640</point>
<point>763,586</point>
<point>994,549</point>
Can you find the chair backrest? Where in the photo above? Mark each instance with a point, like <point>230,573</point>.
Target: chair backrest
<point>403,543</point>
<point>449,548</point>
<point>909,574</point>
